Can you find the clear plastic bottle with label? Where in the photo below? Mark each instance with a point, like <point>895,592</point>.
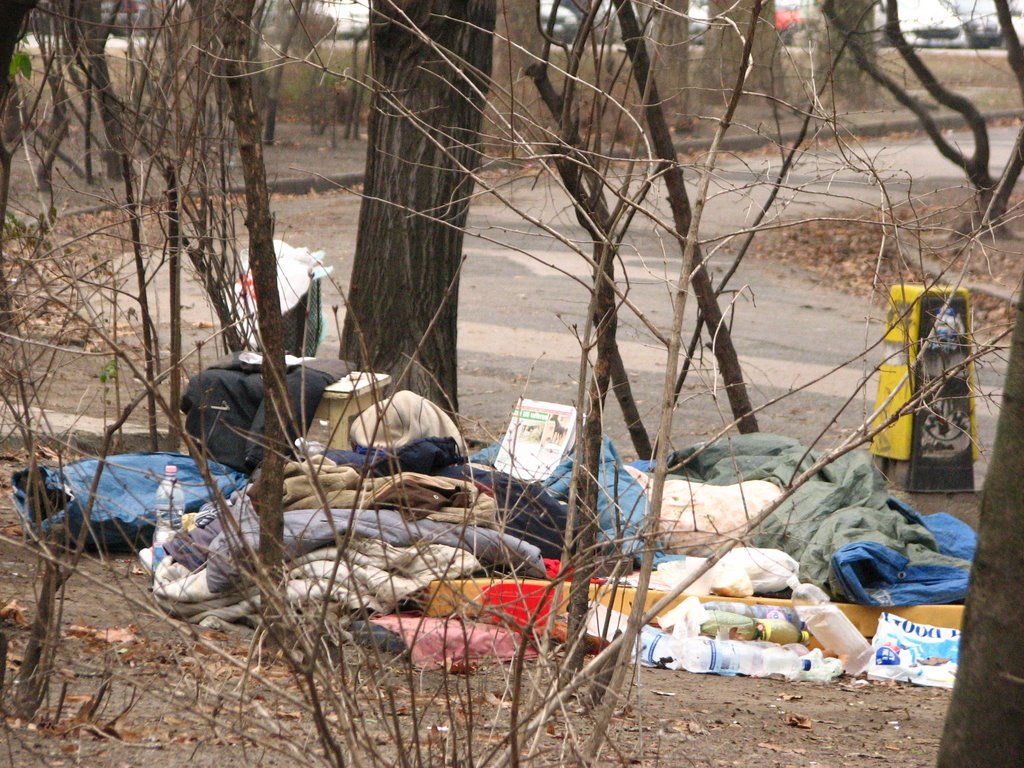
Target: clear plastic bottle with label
<point>738,657</point>
<point>756,610</point>
<point>657,648</point>
<point>167,510</point>
<point>832,628</point>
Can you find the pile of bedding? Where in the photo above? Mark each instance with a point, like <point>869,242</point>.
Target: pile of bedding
<point>841,526</point>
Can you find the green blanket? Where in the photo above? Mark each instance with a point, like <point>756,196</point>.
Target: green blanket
<point>845,502</point>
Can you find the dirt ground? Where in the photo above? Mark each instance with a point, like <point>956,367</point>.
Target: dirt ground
<point>171,691</point>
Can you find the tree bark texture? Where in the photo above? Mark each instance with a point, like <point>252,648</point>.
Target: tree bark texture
<point>12,17</point>
<point>723,45</point>
<point>88,34</point>
<point>855,17</point>
<point>672,38</point>
<point>431,62</point>
<point>235,38</point>
<point>984,717</point>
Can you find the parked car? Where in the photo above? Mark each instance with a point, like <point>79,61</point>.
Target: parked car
<point>567,19</point>
<point>947,23</point>
<point>927,23</point>
<point>699,20</point>
<point>789,18</point>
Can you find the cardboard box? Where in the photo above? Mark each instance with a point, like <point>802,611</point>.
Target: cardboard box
<point>530,601</point>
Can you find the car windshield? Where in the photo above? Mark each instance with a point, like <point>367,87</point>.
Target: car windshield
<point>975,7</point>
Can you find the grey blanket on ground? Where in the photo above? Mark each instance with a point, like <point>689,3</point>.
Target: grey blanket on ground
<point>845,502</point>
<point>224,546</point>
<point>368,576</point>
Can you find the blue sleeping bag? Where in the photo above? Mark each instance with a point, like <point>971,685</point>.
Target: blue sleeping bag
<point>121,517</point>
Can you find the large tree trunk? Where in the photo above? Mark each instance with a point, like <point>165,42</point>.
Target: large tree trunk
<point>89,34</point>
<point>855,17</point>
<point>723,45</point>
<point>672,35</point>
<point>984,717</point>
<point>424,127</point>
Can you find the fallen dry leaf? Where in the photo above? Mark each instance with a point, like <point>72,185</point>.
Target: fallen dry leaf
<point>461,667</point>
<point>120,634</point>
<point>689,726</point>
<point>798,721</point>
<point>14,613</point>
<point>791,696</point>
<point>12,532</point>
<point>109,635</point>
<point>781,749</point>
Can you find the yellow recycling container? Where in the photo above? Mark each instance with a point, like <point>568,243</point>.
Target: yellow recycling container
<point>928,347</point>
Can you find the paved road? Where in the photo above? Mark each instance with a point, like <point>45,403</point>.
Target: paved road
<point>808,348</point>
<point>523,295</point>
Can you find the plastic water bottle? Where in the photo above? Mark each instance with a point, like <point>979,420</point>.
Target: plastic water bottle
<point>737,657</point>
<point>831,627</point>
<point>756,610</point>
<point>724,624</point>
<point>657,648</point>
<point>773,630</point>
<point>167,508</point>
<point>170,499</point>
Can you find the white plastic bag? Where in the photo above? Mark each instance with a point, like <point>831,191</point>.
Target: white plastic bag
<point>685,619</point>
<point>296,268</point>
<point>742,572</point>
<point>918,653</point>
<point>770,570</point>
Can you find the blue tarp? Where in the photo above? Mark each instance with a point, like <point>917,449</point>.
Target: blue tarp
<point>621,504</point>
<point>871,573</point>
<point>120,517</point>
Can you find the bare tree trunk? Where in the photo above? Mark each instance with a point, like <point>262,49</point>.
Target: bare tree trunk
<point>672,35</point>
<point>424,128</point>
<point>235,38</point>
<point>725,352</point>
<point>723,44</point>
<point>293,15</point>
<point>854,17</point>
<point>174,244</point>
<point>987,697</point>
<point>59,125</point>
<point>12,16</point>
<point>89,36</point>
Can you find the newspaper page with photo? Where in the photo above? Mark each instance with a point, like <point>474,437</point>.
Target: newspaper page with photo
<point>539,436</point>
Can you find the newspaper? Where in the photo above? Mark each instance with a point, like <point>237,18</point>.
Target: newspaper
<point>539,436</point>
